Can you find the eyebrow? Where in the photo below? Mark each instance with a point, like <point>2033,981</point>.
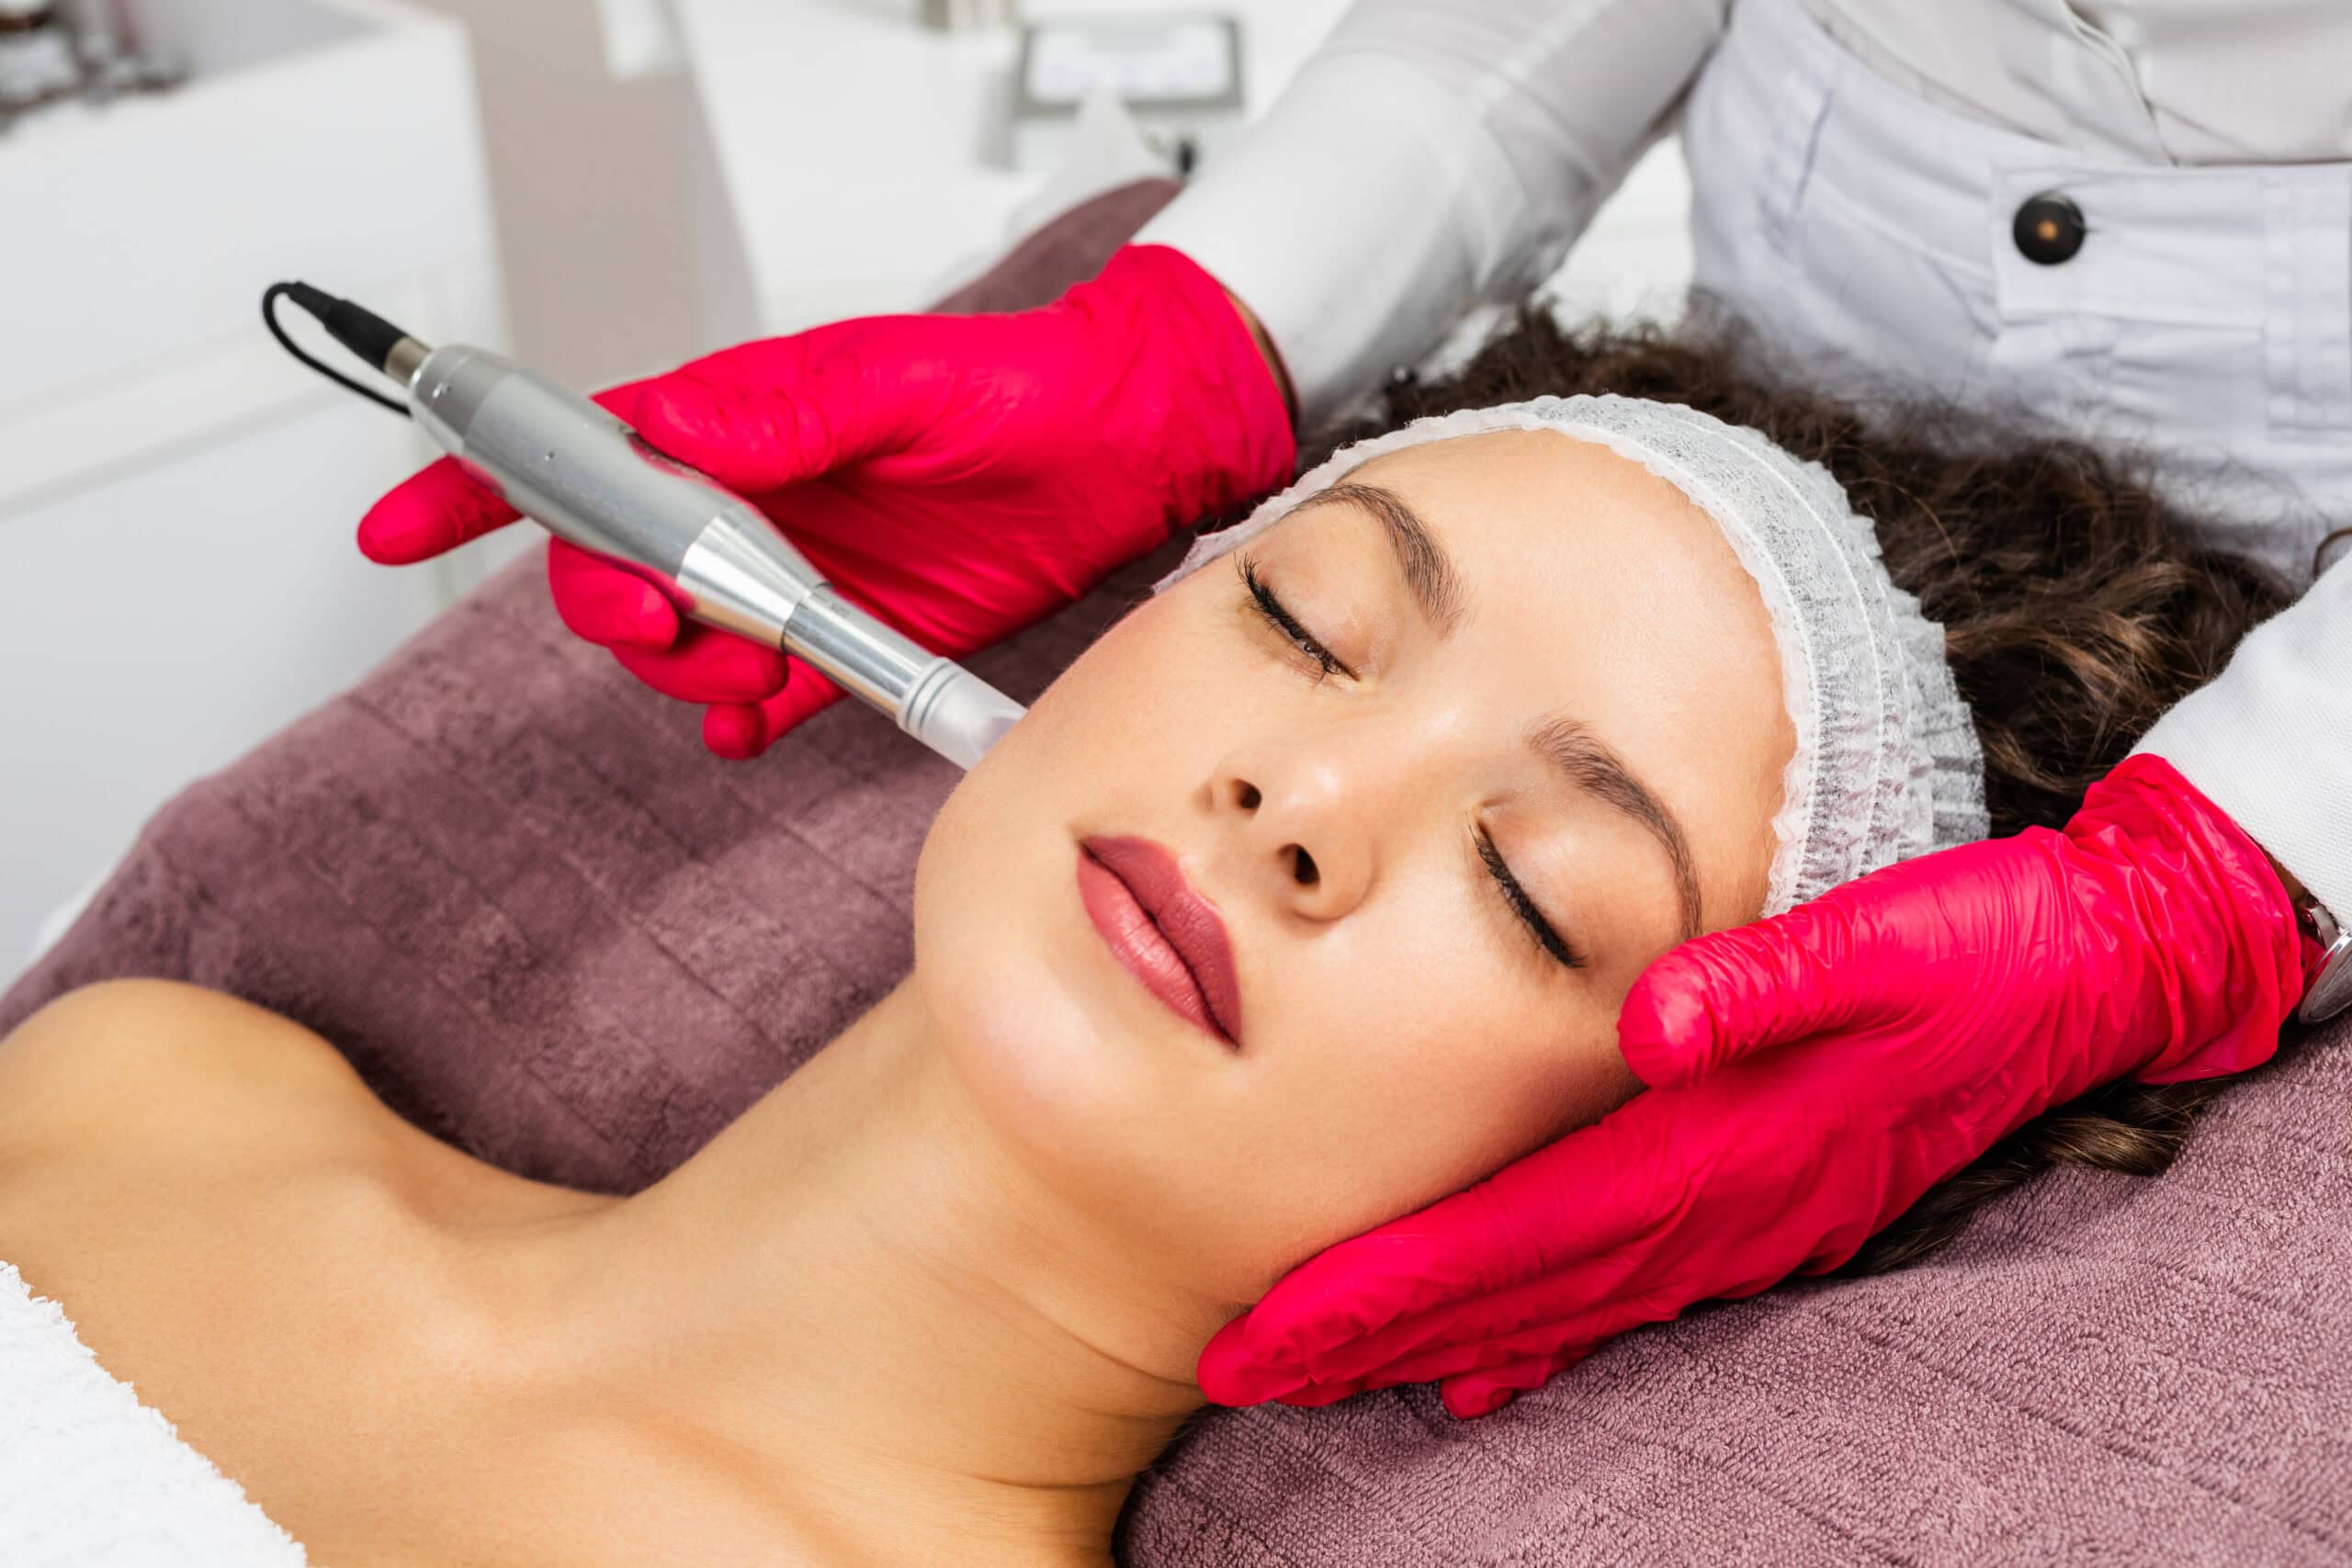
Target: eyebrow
<point>1573,749</point>
<point>1428,571</point>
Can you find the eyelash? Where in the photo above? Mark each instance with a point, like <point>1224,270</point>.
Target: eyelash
<point>1277,615</point>
<point>1270,608</point>
<point>1523,906</point>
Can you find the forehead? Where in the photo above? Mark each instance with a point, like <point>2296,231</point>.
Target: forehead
<point>1565,541</point>
<point>1533,489</point>
<point>1595,590</point>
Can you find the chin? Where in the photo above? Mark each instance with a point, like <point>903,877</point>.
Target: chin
<point>1105,1108</point>
<point>993,970</point>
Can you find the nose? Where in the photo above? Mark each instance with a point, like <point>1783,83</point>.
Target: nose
<point>1300,825</point>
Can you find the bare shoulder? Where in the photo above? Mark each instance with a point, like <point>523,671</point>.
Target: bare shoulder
<point>140,1055</point>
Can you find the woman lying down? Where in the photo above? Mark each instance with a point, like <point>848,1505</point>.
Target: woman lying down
<point>1309,896</point>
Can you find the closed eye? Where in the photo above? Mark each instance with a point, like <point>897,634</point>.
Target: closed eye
<point>1277,615</point>
<point>1524,906</point>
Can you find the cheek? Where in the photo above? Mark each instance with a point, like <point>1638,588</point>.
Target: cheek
<point>1141,1128</point>
<point>1416,1061</point>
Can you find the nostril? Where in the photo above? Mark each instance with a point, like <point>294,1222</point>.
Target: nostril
<point>1246,796</point>
<point>1302,867</point>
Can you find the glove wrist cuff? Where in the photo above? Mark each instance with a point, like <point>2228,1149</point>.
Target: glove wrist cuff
<point>2222,932</point>
<point>1212,427</point>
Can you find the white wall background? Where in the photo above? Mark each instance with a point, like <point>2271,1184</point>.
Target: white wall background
<point>593,176</point>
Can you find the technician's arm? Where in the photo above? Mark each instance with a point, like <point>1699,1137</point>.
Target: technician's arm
<point>1432,153</point>
<point>2270,741</point>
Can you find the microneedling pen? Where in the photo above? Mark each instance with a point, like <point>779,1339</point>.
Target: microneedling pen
<point>588,477</point>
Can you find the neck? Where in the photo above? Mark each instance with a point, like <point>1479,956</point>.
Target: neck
<point>857,1289</point>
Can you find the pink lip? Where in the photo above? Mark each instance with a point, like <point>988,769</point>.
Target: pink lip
<point>1167,935</point>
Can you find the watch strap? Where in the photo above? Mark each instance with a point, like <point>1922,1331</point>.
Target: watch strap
<point>2327,985</point>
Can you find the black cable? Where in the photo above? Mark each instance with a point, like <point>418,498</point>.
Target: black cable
<point>322,305</point>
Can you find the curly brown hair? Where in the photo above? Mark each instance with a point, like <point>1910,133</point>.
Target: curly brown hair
<point>2075,610</point>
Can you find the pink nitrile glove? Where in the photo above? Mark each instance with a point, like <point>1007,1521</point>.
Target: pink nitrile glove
<point>961,476</point>
<point>1812,1075</point>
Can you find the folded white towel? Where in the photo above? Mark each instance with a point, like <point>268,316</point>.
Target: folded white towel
<point>91,1478</point>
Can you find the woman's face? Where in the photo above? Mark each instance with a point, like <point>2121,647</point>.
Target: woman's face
<point>1511,656</point>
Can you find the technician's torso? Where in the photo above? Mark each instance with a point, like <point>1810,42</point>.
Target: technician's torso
<point>2128,223</point>
<point>323,1299</point>
<point>2181,81</point>
<point>1859,169</point>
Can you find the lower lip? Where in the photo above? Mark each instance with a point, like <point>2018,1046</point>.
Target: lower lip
<point>1126,927</point>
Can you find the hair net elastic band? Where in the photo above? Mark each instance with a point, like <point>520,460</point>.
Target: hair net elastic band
<point>1886,763</point>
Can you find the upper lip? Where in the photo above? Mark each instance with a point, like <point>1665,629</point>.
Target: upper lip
<point>1190,922</point>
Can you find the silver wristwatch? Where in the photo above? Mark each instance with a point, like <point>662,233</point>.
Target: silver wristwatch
<point>2329,990</point>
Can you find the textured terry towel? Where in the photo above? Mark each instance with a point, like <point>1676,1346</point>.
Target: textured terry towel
<point>508,883</point>
<point>91,1478</point>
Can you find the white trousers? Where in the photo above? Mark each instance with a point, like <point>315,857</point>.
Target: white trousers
<point>2206,319</point>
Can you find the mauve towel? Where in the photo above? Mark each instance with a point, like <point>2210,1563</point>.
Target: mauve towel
<point>509,886</point>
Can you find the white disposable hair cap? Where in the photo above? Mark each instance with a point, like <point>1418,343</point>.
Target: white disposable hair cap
<point>1886,764</point>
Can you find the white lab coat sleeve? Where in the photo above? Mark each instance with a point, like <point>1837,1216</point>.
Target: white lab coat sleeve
<point>2270,740</point>
<point>1431,154</point>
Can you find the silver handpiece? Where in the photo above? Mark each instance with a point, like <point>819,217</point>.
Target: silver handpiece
<point>560,458</point>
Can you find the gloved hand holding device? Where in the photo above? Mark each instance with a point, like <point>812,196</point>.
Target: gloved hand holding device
<point>1811,1076</point>
<point>962,476</point>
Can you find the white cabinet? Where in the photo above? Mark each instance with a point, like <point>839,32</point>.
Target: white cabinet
<point>178,578</point>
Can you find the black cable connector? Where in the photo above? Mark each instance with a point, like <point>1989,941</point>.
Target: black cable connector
<point>364,332</point>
